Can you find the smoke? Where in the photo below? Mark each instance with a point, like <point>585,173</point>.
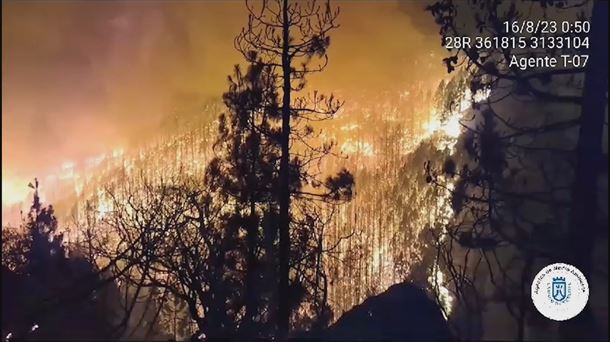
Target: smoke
<point>80,78</point>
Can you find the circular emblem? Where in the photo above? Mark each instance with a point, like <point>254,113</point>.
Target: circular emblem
<point>560,291</point>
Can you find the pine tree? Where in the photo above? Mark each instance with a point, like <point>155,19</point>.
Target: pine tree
<point>46,248</point>
<point>290,38</point>
<point>243,174</point>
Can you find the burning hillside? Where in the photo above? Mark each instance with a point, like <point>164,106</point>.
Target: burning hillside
<point>377,239</point>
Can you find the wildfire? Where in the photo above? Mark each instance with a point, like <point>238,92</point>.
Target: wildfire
<point>104,205</point>
<point>438,281</point>
<point>354,147</point>
<point>14,191</point>
<point>379,266</point>
<point>450,130</point>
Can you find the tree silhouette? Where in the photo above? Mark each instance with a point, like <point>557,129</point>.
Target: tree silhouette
<point>244,174</point>
<point>212,243</point>
<point>46,243</point>
<point>512,162</point>
<point>46,294</point>
<point>292,39</point>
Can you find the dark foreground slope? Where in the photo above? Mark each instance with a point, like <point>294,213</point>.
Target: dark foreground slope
<point>404,312</point>
<point>29,311</point>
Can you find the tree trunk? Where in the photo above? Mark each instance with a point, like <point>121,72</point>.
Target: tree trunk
<point>284,201</point>
<point>252,241</point>
<point>583,225</point>
<point>251,274</point>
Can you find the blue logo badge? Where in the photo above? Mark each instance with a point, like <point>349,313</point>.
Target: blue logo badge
<point>559,289</point>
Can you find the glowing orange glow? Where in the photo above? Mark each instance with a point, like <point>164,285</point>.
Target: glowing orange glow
<point>14,191</point>
<point>353,147</point>
<point>356,138</point>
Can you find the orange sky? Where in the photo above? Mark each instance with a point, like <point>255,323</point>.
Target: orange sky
<point>82,77</point>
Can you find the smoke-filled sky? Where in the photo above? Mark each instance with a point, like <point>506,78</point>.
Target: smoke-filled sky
<point>83,77</point>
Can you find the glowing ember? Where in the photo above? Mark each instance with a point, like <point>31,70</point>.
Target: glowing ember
<point>452,128</point>
<point>104,205</point>
<point>360,147</point>
<point>438,282</point>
